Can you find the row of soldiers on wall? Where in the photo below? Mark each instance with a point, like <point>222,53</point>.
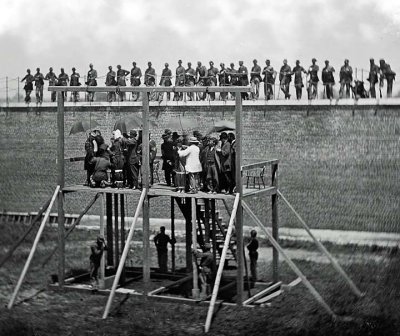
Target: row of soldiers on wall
<point>225,76</point>
<point>199,162</point>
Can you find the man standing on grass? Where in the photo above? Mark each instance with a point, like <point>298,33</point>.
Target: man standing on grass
<point>161,241</point>
<point>97,250</point>
<point>252,247</point>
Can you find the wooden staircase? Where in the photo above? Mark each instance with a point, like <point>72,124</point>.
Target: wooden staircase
<point>209,218</point>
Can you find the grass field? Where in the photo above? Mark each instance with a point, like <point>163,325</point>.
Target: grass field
<point>295,312</point>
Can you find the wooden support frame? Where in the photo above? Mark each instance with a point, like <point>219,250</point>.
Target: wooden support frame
<point>33,249</point>
<point>195,290</point>
<point>322,248</point>
<point>173,234</point>
<point>221,263</point>
<point>292,265</point>
<point>239,189</point>
<point>143,195</point>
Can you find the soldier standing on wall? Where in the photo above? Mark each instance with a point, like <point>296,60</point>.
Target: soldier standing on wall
<point>388,74</point>
<point>313,81</point>
<point>52,78</point>
<point>179,80</point>
<point>39,83</point>
<point>328,80</point>
<point>91,81</point>
<point>269,80</point>
<point>28,87</point>
<point>75,82</point>
<point>243,79</point>
<point>121,81</point>
<point>212,73</point>
<point>110,81</point>
<point>63,80</point>
<point>373,77</point>
<point>190,79</point>
<point>298,79</point>
<point>285,77</point>
<point>165,80</point>
<point>136,74</point>
<point>255,79</point>
<point>346,77</point>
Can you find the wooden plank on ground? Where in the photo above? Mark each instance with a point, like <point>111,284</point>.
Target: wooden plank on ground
<point>269,297</point>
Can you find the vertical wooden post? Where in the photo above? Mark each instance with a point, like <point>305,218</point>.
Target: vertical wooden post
<point>18,89</point>
<point>188,238</point>
<point>207,220</point>
<point>116,231</point>
<point>61,183</point>
<point>110,239</point>
<point>239,189</point>
<point>122,202</point>
<point>102,261</point>
<point>195,290</point>
<point>173,234</point>
<point>214,228</point>
<point>275,225</point>
<point>7,91</point>
<point>145,184</point>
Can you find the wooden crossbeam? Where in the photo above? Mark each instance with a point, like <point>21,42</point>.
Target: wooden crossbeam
<point>265,192</point>
<point>259,164</point>
<point>149,88</point>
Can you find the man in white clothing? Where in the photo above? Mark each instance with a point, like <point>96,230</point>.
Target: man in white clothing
<point>193,165</point>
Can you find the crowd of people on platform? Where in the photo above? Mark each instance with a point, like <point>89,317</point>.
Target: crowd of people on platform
<point>199,162</point>
<point>224,76</point>
<point>190,163</point>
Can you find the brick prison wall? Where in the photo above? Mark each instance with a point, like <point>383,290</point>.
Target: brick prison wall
<point>339,165</point>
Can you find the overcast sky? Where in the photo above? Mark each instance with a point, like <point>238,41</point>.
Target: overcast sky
<point>44,33</point>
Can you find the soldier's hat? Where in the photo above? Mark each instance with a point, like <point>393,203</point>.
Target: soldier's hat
<point>314,60</point>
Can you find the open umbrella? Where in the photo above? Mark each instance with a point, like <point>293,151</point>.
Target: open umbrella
<point>181,123</point>
<point>131,122</point>
<point>82,126</point>
<point>221,126</point>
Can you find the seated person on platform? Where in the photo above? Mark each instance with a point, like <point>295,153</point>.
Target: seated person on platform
<point>207,269</point>
<point>101,165</point>
<point>193,165</point>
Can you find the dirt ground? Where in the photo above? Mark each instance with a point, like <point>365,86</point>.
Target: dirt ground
<point>295,312</point>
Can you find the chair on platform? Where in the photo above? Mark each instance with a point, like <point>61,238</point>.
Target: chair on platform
<point>255,176</point>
